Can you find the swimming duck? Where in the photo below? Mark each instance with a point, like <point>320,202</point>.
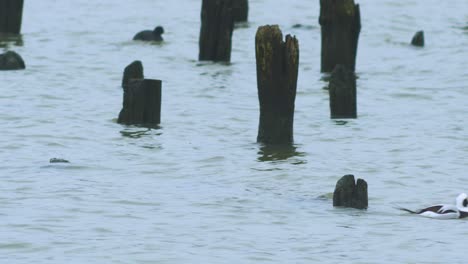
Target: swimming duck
<point>445,211</point>
<point>148,35</point>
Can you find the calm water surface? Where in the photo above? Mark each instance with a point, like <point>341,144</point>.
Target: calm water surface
<point>200,189</point>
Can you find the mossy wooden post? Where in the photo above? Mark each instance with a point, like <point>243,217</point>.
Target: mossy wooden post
<point>241,10</point>
<point>217,24</point>
<point>340,21</point>
<point>277,69</point>
<point>350,194</point>
<point>11,14</point>
<point>141,103</point>
<point>342,90</point>
<point>133,71</point>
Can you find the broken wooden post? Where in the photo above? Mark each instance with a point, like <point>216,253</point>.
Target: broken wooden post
<point>340,22</point>
<point>217,24</point>
<point>241,10</point>
<point>350,194</point>
<point>418,39</point>
<point>141,103</point>
<point>11,14</point>
<point>11,60</point>
<point>133,71</point>
<point>277,69</point>
<point>342,91</point>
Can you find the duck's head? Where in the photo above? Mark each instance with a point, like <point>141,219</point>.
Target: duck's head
<point>462,202</point>
<point>158,30</point>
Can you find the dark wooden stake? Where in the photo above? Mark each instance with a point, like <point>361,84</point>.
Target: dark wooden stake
<point>217,24</point>
<point>277,69</point>
<point>241,10</point>
<point>342,90</point>
<point>340,22</point>
<point>11,60</point>
<point>350,194</point>
<point>141,103</point>
<point>418,39</point>
<point>11,14</point>
<point>133,71</point>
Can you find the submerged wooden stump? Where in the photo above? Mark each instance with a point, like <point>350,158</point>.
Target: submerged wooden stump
<point>11,14</point>
<point>241,10</point>
<point>340,22</point>
<point>350,194</point>
<point>342,90</point>
<point>133,71</point>
<point>141,103</point>
<point>277,70</point>
<point>418,39</point>
<point>11,60</point>
<point>217,24</point>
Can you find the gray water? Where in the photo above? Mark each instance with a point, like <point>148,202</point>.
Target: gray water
<point>200,189</point>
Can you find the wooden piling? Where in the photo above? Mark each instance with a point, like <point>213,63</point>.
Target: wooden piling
<point>342,91</point>
<point>350,194</point>
<point>141,103</point>
<point>418,39</point>
<point>217,24</point>
<point>241,10</point>
<point>11,14</point>
<point>133,71</point>
<point>277,70</point>
<point>340,22</point>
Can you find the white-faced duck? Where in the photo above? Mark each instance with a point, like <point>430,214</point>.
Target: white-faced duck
<point>150,35</point>
<point>445,211</point>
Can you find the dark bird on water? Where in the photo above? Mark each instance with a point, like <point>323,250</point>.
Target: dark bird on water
<point>150,35</point>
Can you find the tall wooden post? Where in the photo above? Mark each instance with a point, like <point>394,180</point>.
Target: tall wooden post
<point>277,70</point>
<point>340,22</point>
<point>241,10</point>
<point>217,24</point>
<point>11,14</point>
<point>342,90</point>
<point>141,103</point>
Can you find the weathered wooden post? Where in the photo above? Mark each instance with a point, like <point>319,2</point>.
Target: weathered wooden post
<point>342,91</point>
<point>11,14</point>
<point>133,71</point>
<point>11,60</point>
<point>141,103</point>
<point>418,39</point>
<point>340,22</point>
<point>350,194</point>
<point>241,10</point>
<point>277,69</point>
<point>217,24</point>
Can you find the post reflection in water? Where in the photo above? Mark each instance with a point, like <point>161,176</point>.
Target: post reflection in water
<point>6,40</point>
<point>280,152</point>
<point>138,132</point>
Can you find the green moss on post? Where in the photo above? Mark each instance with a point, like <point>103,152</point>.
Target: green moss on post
<point>277,70</point>
<point>340,21</point>
<point>11,15</point>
